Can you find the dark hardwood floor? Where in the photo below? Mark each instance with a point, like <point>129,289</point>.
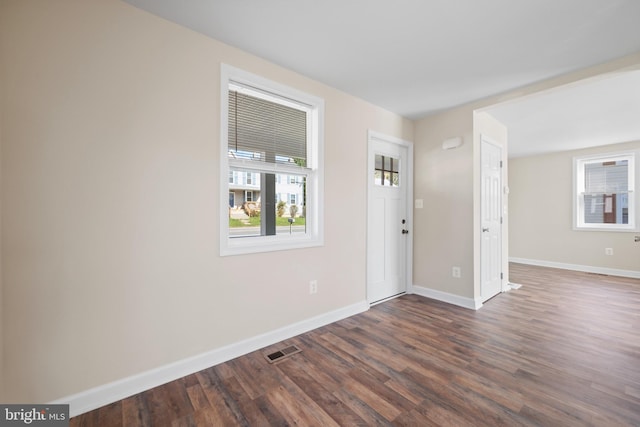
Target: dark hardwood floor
<point>563,350</point>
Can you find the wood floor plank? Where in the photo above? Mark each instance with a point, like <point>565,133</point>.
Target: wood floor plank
<point>135,412</point>
<point>562,350</point>
<point>297,407</point>
<point>225,405</point>
<point>320,387</point>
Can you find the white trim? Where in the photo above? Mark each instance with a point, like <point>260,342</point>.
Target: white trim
<point>577,267</point>
<point>112,392</point>
<point>473,304</point>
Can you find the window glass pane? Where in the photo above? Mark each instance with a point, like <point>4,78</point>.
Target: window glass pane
<point>606,177</point>
<point>377,177</point>
<point>386,171</point>
<point>246,217</point>
<point>394,165</point>
<point>378,162</point>
<point>606,209</point>
<point>266,131</point>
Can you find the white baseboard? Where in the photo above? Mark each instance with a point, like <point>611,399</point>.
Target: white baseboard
<point>108,393</point>
<point>576,267</point>
<point>447,297</point>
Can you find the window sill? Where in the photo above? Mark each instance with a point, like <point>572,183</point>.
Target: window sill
<point>252,245</point>
<point>610,229</point>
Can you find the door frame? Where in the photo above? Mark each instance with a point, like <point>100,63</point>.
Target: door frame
<point>504,275</point>
<point>373,136</point>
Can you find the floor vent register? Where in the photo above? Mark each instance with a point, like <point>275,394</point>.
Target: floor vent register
<point>279,355</point>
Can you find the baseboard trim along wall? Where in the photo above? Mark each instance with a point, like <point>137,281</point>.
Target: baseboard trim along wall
<point>103,395</point>
<point>576,267</point>
<point>447,297</point>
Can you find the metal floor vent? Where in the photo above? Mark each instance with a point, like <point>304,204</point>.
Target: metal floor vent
<point>277,356</point>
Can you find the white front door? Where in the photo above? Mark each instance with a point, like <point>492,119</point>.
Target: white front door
<point>491,220</point>
<point>388,223</point>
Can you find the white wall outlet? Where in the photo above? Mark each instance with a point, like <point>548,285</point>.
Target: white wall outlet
<point>608,251</point>
<point>455,272</point>
<point>418,204</point>
<point>313,287</point>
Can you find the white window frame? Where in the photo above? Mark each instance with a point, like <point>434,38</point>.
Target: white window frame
<point>314,172</point>
<point>579,189</point>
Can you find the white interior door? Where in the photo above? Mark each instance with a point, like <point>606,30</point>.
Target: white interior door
<point>388,220</point>
<point>491,220</point>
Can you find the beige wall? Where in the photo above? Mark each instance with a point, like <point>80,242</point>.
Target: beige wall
<point>443,236</point>
<point>110,124</point>
<point>446,180</point>
<point>541,208</point>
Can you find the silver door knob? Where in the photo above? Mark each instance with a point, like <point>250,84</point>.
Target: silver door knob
<point>484,230</point>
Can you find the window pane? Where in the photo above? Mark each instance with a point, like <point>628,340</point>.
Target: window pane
<point>266,131</point>
<point>246,216</point>
<point>377,177</point>
<point>378,162</point>
<point>386,171</point>
<point>606,209</point>
<point>606,177</point>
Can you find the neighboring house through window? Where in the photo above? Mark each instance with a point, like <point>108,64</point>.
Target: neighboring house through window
<point>604,192</point>
<point>272,136</point>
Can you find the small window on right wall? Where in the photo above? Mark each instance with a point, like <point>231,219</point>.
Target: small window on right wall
<point>604,192</point>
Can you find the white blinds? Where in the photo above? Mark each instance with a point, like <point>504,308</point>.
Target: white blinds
<point>265,131</point>
<point>607,177</point>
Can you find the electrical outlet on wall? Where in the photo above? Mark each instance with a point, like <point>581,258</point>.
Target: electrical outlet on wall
<point>456,272</point>
<point>608,251</point>
<point>313,287</point>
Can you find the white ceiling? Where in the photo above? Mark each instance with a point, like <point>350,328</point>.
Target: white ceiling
<point>599,111</point>
<point>418,57</point>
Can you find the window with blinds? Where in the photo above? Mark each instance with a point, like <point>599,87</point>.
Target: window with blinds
<point>272,135</point>
<point>604,191</point>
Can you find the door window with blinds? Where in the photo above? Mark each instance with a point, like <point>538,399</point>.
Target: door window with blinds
<point>604,192</point>
<point>271,144</point>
